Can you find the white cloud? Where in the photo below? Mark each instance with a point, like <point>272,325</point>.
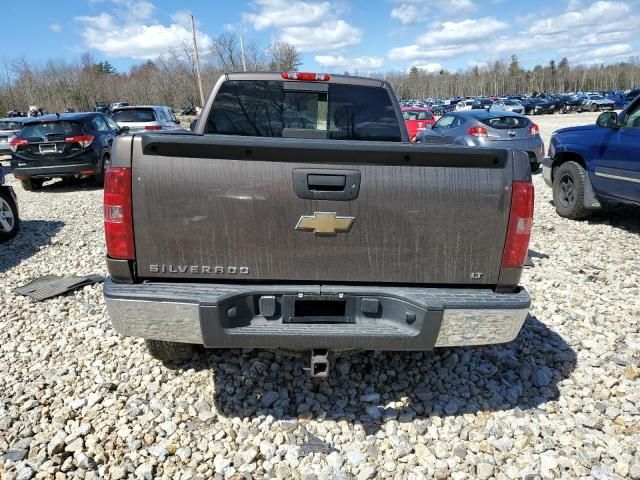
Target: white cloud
<point>358,63</point>
<point>595,15</point>
<point>430,67</point>
<point>131,32</point>
<point>450,39</point>
<point>311,26</point>
<point>279,14</point>
<point>409,12</point>
<point>55,27</point>
<point>606,26</point>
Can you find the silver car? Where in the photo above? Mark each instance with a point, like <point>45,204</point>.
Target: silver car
<point>8,128</point>
<point>145,117</point>
<point>479,128</point>
<point>507,106</point>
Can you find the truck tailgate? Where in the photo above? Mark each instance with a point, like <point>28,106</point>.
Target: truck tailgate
<point>226,208</point>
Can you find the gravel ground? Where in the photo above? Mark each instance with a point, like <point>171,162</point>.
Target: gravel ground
<point>562,401</point>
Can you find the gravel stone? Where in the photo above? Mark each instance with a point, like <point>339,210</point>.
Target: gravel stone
<point>560,401</point>
<point>484,470</point>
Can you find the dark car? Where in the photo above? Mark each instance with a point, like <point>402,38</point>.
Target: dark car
<point>482,104</point>
<point>63,145</point>
<point>9,220</point>
<point>538,106</point>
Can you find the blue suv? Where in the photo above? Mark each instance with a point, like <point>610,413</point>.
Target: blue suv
<point>592,166</point>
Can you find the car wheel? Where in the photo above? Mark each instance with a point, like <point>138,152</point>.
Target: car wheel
<point>170,352</point>
<point>9,221</point>
<point>568,191</point>
<point>593,108</point>
<point>99,177</point>
<point>30,184</point>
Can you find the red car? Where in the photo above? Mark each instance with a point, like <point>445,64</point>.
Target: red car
<point>417,119</point>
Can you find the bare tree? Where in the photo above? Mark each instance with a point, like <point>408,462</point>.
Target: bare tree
<point>283,57</point>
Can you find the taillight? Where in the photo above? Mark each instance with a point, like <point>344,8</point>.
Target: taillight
<point>516,245</point>
<point>478,132</point>
<point>313,77</point>
<point>83,140</point>
<point>153,127</point>
<point>118,218</point>
<point>17,142</point>
<point>534,129</point>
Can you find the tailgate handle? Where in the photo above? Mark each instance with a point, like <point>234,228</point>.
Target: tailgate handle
<point>332,183</point>
<point>325,184</point>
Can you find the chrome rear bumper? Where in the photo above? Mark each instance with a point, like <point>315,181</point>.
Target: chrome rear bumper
<point>221,315</point>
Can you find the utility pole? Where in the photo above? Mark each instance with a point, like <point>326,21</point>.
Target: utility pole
<point>195,46</point>
<point>244,63</point>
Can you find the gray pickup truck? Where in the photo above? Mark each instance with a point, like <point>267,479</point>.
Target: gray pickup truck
<point>298,215</point>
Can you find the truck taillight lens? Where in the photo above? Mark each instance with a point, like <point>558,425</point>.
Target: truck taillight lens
<point>153,127</point>
<point>516,246</point>
<point>118,218</point>
<point>478,132</point>
<point>83,140</point>
<point>307,76</point>
<point>534,129</point>
<point>16,143</point>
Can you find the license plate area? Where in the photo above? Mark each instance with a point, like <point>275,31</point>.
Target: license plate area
<point>48,148</point>
<point>317,309</point>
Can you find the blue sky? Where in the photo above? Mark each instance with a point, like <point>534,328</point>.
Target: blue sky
<point>333,35</point>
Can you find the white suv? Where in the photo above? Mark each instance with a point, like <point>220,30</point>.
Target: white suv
<point>145,117</point>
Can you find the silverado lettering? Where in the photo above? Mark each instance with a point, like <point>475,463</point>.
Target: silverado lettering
<point>206,269</point>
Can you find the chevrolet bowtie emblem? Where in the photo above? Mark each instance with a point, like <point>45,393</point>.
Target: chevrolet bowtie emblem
<point>324,223</point>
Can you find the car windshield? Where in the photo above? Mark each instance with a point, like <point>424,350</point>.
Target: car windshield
<point>596,97</point>
<point>134,115</point>
<point>49,130</point>
<point>6,125</point>
<point>417,115</point>
<point>512,103</point>
<point>505,122</point>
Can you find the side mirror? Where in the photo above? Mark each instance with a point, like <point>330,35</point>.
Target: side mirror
<point>192,125</point>
<point>123,130</point>
<point>177,122</point>
<point>607,120</point>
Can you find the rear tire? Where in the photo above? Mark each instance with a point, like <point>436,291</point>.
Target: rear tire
<point>568,191</point>
<point>593,108</point>
<point>170,352</point>
<point>9,221</point>
<point>30,184</point>
<point>104,165</point>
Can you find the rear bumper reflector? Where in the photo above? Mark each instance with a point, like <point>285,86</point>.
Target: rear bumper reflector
<point>222,315</point>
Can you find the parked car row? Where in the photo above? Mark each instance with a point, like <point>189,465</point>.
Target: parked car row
<point>74,144</point>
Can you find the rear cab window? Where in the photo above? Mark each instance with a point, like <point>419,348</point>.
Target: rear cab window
<point>134,115</point>
<point>417,115</point>
<point>265,108</point>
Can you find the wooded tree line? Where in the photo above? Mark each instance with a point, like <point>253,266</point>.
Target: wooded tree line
<point>168,80</point>
<point>171,80</point>
<point>503,77</point>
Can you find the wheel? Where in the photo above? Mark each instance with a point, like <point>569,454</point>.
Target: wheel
<point>9,221</point>
<point>593,107</point>
<point>568,191</point>
<point>170,352</point>
<point>99,177</point>
<point>30,184</point>
<point>535,166</point>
